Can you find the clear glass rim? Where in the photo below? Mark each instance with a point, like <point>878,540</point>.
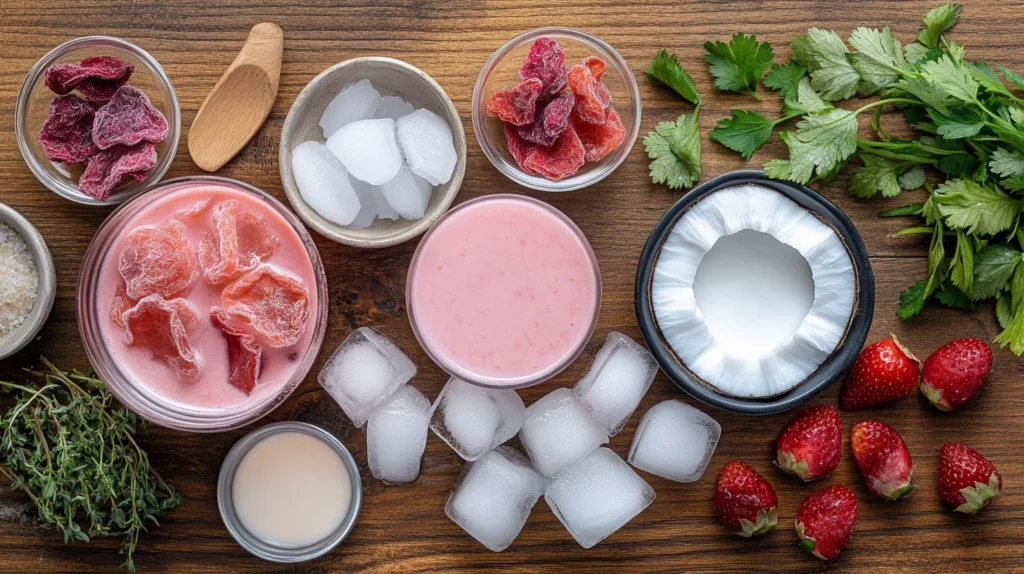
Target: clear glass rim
<point>145,403</point>
<point>514,382</point>
<point>58,185</point>
<point>490,148</point>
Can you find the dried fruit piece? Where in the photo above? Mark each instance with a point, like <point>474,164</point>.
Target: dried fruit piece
<point>516,105</point>
<point>596,66</point>
<point>127,119</point>
<point>238,245</point>
<point>255,243</point>
<point>592,97</point>
<point>518,147</point>
<point>119,305</point>
<point>157,259</point>
<point>560,160</point>
<point>104,171</point>
<point>93,77</point>
<point>545,62</point>
<point>600,139</point>
<point>244,352</point>
<point>66,135</point>
<point>192,213</point>
<point>550,121</point>
<point>274,304</point>
<point>161,326</point>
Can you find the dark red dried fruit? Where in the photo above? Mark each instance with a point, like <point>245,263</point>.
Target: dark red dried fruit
<point>596,66</point>
<point>275,305</point>
<point>551,119</point>
<point>518,147</point>
<point>161,326</point>
<point>244,352</point>
<point>546,62</point>
<point>66,135</point>
<point>516,105</point>
<point>560,160</point>
<point>157,259</point>
<point>127,119</point>
<point>239,244</point>
<point>104,171</point>
<point>94,77</point>
<point>592,97</point>
<point>600,139</point>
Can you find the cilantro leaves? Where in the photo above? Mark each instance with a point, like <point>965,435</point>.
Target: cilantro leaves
<point>825,55</point>
<point>675,149</point>
<point>666,69</point>
<point>739,65</point>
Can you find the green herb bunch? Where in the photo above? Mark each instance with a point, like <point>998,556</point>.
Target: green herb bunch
<point>74,454</point>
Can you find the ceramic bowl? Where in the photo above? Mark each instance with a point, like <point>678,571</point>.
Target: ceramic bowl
<point>45,292</point>
<point>390,77</point>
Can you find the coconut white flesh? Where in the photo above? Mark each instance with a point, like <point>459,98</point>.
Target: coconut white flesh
<point>757,315</point>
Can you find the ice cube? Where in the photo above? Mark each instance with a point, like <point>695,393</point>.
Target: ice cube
<point>674,441</point>
<point>598,496</point>
<point>407,194</point>
<point>364,372</point>
<point>473,420</point>
<point>558,432</point>
<point>393,107</point>
<point>494,496</point>
<point>384,209</point>
<point>368,205</point>
<point>323,183</point>
<point>427,143</point>
<point>396,435</point>
<point>368,149</point>
<point>358,101</point>
<point>618,378</point>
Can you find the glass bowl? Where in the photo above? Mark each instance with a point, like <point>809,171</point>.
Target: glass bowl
<point>33,104</point>
<point>502,71</point>
<point>146,402</point>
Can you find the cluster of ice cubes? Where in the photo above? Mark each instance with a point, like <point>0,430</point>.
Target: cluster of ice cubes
<point>381,159</point>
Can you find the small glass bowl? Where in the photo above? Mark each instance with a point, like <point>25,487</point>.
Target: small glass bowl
<point>33,106</point>
<point>502,71</point>
<point>145,402</point>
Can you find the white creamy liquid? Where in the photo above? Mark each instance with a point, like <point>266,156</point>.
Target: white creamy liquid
<point>291,489</point>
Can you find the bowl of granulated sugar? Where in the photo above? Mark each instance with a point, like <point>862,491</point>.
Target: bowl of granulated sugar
<point>29,283</point>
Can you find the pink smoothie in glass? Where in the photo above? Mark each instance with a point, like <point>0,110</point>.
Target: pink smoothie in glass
<point>504,291</point>
<point>211,389</point>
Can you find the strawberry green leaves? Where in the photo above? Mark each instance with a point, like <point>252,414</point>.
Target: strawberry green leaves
<point>739,65</point>
<point>666,69</point>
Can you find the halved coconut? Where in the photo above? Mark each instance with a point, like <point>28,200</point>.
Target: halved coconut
<point>752,291</point>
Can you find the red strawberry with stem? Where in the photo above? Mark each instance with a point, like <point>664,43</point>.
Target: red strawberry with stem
<point>955,373</point>
<point>812,443</point>
<point>967,481</point>
<point>883,459</point>
<point>883,372</point>
<point>744,501</point>
<point>825,521</point>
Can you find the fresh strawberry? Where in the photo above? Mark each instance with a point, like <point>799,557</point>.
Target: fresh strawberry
<point>883,372</point>
<point>955,373</point>
<point>967,481</point>
<point>825,521</point>
<point>744,501</point>
<point>883,459</point>
<point>812,443</point>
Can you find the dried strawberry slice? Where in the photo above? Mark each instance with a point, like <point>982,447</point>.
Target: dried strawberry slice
<point>275,305</point>
<point>596,66</point>
<point>518,104</point>
<point>244,352</point>
<point>66,135</point>
<point>600,139</point>
<point>96,71</point>
<point>157,259</point>
<point>255,243</point>
<point>162,326</point>
<point>127,119</point>
<point>546,62</point>
<point>193,212</point>
<point>560,160</point>
<point>119,305</point>
<point>239,244</point>
<point>105,170</point>
<point>592,97</point>
<point>551,119</point>
<point>518,147</point>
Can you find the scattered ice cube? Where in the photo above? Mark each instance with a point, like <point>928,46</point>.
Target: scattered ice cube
<point>427,143</point>
<point>674,441</point>
<point>494,496</point>
<point>407,193</point>
<point>598,496</point>
<point>323,183</point>
<point>384,209</point>
<point>618,378</point>
<point>368,149</point>
<point>393,107</point>
<point>358,101</point>
<point>473,420</point>
<point>367,202</point>
<point>396,435</point>
<point>364,372</point>
<point>557,432</point>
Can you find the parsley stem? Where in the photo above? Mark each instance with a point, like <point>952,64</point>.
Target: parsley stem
<point>910,145</point>
<point>886,102</point>
<point>914,231</point>
<point>912,159</point>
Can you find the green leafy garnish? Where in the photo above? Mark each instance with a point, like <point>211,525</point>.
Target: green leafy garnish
<point>674,148</point>
<point>975,208</point>
<point>878,59</point>
<point>937,22</point>
<point>785,78</point>
<point>666,69</point>
<point>739,65</point>
<point>825,55</point>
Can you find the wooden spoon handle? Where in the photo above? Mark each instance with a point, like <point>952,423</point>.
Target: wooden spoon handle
<point>264,47</point>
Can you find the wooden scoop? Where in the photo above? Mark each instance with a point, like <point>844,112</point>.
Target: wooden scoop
<point>241,100</point>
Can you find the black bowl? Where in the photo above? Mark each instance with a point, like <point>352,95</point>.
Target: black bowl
<point>829,371</point>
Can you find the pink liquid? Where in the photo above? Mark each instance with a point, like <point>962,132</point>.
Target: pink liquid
<point>504,291</point>
<point>211,390</point>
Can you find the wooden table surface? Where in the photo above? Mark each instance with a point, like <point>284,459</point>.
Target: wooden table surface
<point>404,528</point>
